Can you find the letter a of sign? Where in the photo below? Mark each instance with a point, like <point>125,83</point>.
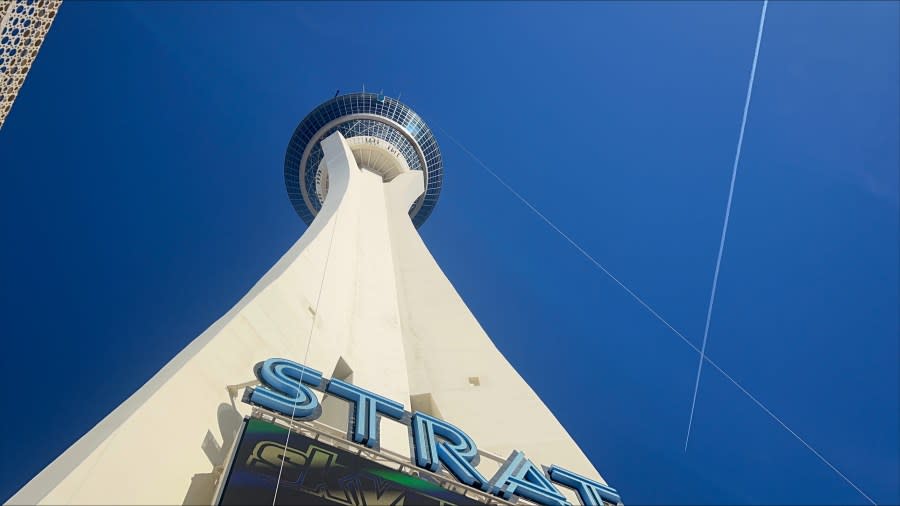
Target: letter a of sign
<point>520,477</point>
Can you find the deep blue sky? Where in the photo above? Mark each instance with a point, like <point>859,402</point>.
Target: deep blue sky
<point>142,196</point>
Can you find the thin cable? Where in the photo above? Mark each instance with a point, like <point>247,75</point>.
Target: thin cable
<point>563,234</point>
<point>734,168</point>
<point>662,320</point>
<point>312,328</point>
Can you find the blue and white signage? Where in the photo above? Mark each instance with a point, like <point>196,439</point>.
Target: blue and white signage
<point>436,444</point>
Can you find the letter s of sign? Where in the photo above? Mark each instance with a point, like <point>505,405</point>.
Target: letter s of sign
<point>284,391</point>
<point>457,452</point>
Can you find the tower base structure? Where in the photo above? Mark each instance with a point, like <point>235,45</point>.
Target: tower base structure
<point>357,297</point>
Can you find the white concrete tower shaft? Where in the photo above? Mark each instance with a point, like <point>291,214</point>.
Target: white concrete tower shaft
<point>358,297</point>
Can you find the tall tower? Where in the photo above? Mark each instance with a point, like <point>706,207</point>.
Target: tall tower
<point>23,26</point>
<point>357,298</point>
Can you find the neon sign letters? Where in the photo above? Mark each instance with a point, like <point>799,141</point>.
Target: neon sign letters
<point>287,389</point>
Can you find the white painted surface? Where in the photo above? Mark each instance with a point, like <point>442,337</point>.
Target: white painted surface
<point>385,308</point>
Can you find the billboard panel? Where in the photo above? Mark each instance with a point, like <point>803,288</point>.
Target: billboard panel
<point>320,474</point>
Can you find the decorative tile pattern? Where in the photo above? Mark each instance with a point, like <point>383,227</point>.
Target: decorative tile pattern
<point>23,26</point>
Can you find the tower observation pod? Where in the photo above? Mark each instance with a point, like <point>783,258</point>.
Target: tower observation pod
<point>352,373</point>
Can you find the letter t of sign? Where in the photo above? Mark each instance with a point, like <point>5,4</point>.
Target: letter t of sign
<point>367,405</point>
<point>589,491</point>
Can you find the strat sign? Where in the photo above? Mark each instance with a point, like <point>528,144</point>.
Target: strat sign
<point>436,444</point>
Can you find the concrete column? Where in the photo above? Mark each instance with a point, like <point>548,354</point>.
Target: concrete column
<point>358,291</point>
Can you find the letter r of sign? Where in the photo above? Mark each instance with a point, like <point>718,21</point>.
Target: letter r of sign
<point>457,451</point>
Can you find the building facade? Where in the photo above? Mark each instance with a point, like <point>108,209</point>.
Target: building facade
<point>23,26</point>
<point>358,299</point>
